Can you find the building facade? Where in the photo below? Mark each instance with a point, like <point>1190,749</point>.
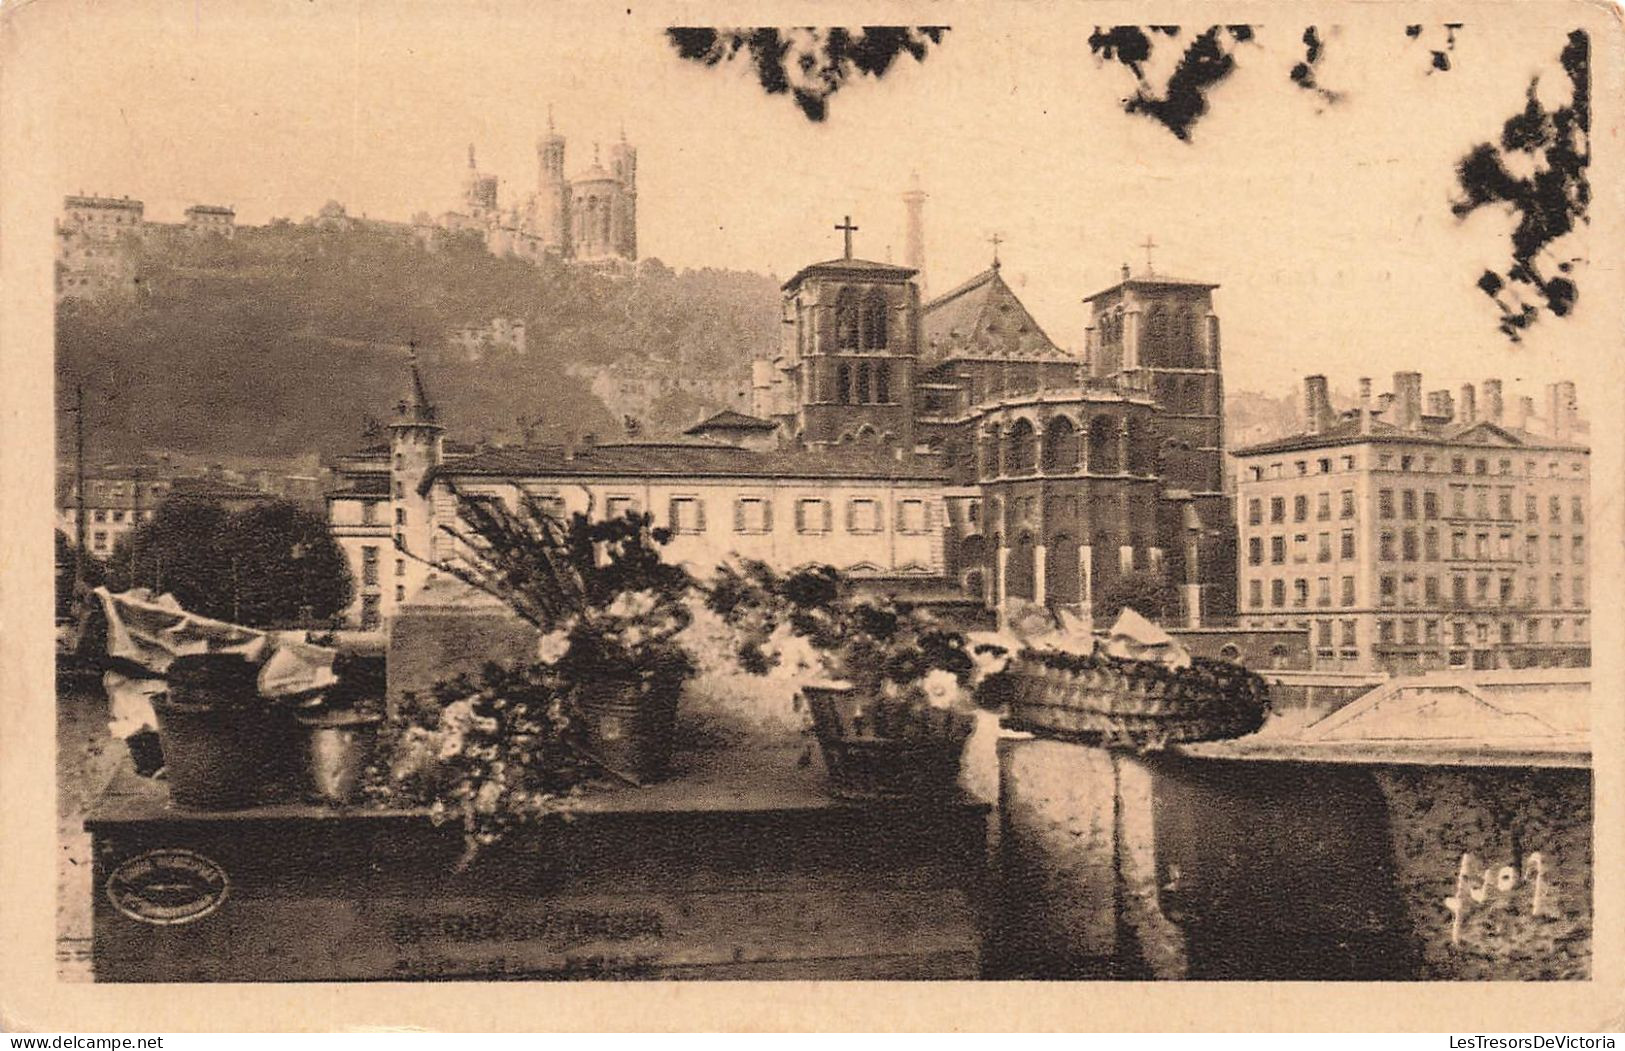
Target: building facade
<point>99,243</point>
<point>1409,537</point>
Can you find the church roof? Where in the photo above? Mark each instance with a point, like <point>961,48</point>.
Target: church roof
<point>728,419</point>
<point>1148,279</point>
<point>983,318</point>
<point>859,269</point>
<point>686,460</point>
<point>415,408</point>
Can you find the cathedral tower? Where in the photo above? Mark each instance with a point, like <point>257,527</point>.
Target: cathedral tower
<point>623,166</point>
<point>852,349</point>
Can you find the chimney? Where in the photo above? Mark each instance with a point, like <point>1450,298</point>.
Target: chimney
<point>1317,405</point>
<point>1441,405</point>
<point>1564,403</point>
<point>914,238</point>
<point>1524,412</point>
<point>1407,415</point>
<point>1385,407</point>
<point>1492,401</point>
<point>1365,405</point>
<point>1469,406</point>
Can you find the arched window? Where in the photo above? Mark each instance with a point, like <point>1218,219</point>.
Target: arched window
<point>846,320</point>
<point>865,388</point>
<point>882,382</point>
<point>875,321</point>
<point>1103,448</point>
<point>843,384</point>
<point>1021,449</point>
<point>1060,445</point>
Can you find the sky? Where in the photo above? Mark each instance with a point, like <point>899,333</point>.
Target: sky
<point>1327,226</point>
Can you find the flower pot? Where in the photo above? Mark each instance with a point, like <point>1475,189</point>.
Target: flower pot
<point>338,748</point>
<point>223,757</point>
<point>872,753</point>
<point>628,729</point>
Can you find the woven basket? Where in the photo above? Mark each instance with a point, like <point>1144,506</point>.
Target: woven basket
<point>877,751</point>
<point>1132,704</point>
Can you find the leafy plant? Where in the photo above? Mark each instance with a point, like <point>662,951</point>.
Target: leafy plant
<point>508,748</point>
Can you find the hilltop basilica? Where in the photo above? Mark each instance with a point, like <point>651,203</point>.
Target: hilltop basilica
<point>943,445</point>
<point>591,218</point>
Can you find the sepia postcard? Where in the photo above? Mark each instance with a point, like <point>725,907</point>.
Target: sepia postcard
<point>692,516</point>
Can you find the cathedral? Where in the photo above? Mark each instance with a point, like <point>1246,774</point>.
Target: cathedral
<point>590,218</point>
<point>1060,473</point>
<point>944,443</point>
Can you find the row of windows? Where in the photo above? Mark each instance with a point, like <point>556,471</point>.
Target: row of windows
<point>1412,505</point>
<point>1410,590</point>
<point>1402,590</point>
<point>751,514</point>
<point>1412,632</point>
<point>1407,462</point>
<point>1300,548</point>
<point>120,516</point>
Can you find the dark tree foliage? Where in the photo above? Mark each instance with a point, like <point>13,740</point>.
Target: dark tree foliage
<point>95,572</point>
<point>1438,58</point>
<point>1303,74</point>
<point>271,565</point>
<point>811,63</point>
<point>1548,204</point>
<point>1182,101</point>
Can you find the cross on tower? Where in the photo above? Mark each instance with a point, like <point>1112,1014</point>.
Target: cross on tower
<point>995,241</point>
<point>1149,244</point>
<point>849,230</point>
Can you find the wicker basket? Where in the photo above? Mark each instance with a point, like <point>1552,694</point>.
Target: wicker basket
<point>876,751</point>
<point>1133,704</point>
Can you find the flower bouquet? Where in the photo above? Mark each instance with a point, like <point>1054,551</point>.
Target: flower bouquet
<point>598,701</point>
<point>889,690</point>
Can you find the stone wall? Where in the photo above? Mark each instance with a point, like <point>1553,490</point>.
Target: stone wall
<point>1168,866</point>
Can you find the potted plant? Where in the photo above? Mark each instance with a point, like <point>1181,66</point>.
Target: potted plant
<point>599,699</point>
<point>890,691</point>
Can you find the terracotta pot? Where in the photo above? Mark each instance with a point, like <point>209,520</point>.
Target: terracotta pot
<point>629,730</point>
<point>223,757</point>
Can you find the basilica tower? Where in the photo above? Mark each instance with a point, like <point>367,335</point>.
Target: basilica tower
<point>552,192</point>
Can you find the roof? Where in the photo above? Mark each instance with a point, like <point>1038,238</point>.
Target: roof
<point>1149,279</point>
<point>728,419</point>
<point>983,318</point>
<point>211,209</point>
<point>80,201</point>
<point>687,460</point>
<point>1430,432</point>
<point>857,269</point>
<point>364,485</point>
<point>214,489</point>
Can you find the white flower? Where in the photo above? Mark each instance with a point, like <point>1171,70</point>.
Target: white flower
<point>941,688</point>
<point>632,604</point>
<point>485,802</point>
<point>552,647</point>
<point>451,744</point>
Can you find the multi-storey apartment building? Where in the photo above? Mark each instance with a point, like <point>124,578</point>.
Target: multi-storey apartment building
<point>1408,537</point>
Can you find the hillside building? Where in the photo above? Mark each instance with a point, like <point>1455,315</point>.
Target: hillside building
<point>1411,536</point>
